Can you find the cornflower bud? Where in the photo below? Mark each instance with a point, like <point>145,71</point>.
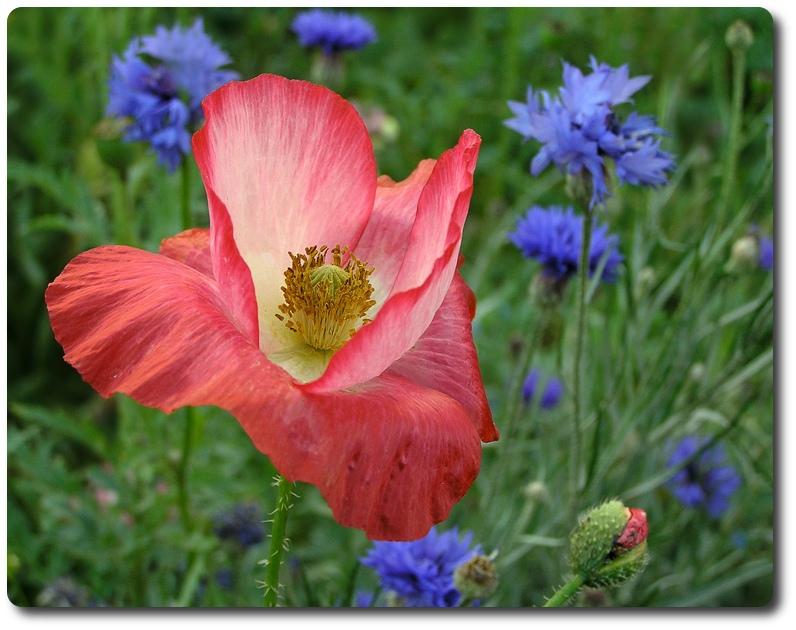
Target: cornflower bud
<point>476,579</point>
<point>739,37</point>
<point>609,545</point>
<point>745,252</point>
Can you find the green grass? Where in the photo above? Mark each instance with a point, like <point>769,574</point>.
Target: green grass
<point>680,344</point>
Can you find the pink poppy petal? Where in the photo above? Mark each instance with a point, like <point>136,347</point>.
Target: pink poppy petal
<point>192,248</point>
<point>391,457</point>
<point>386,237</point>
<point>445,358</point>
<point>410,308</point>
<point>231,271</point>
<point>135,322</point>
<point>293,165</point>
<point>441,213</point>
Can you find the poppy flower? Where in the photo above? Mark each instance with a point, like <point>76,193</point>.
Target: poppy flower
<point>323,308</point>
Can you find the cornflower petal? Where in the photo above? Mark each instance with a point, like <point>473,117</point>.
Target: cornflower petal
<point>578,129</point>
<point>704,481</point>
<point>333,31</point>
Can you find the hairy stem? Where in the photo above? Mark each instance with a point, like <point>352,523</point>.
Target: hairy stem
<point>278,527</point>
<point>562,595</point>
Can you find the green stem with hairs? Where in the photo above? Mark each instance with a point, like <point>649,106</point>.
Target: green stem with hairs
<point>562,595</point>
<point>278,541</point>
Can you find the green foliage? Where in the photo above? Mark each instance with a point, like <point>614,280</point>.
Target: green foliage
<point>681,344</point>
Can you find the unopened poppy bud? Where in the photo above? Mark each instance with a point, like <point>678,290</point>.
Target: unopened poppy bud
<point>608,546</point>
<point>476,579</point>
<point>739,36</point>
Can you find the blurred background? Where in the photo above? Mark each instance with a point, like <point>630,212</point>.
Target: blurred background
<point>681,344</point>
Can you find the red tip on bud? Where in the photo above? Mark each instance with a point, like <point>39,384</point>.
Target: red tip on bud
<point>634,533</point>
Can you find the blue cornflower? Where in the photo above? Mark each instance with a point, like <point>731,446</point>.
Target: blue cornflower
<point>551,394</point>
<point>333,31</point>
<point>420,572</point>
<point>704,481</point>
<point>242,524</point>
<point>364,599</point>
<point>766,258</point>
<point>160,83</point>
<point>553,237</point>
<point>225,579</point>
<point>579,129</point>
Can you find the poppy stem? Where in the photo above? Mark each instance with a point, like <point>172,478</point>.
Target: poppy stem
<point>278,541</point>
<point>182,472</point>
<point>562,595</point>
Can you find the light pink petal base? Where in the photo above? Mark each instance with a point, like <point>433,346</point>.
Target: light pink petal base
<point>292,164</point>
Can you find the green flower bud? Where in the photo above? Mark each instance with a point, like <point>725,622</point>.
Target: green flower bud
<point>739,37</point>
<point>548,293</point>
<point>535,491</point>
<point>608,546</point>
<point>745,251</point>
<point>476,579</point>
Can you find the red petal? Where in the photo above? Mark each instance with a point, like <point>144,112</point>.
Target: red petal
<point>231,272</point>
<point>293,165</point>
<point>191,248</point>
<point>411,307</point>
<point>135,322</point>
<point>391,457</point>
<point>445,359</point>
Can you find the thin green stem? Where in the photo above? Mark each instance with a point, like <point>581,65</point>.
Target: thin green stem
<point>513,400</point>
<point>583,278</point>
<point>734,139</point>
<point>182,471</point>
<point>121,211</point>
<point>562,595</point>
<point>278,541</point>
<point>190,584</point>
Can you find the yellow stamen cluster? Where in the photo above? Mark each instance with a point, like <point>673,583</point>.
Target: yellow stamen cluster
<point>326,303</point>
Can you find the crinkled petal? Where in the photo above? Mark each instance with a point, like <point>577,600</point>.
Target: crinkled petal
<point>142,324</point>
<point>192,248</point>
<point>293,165</point>
<point>423,280</point>
<point>390,456</point>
